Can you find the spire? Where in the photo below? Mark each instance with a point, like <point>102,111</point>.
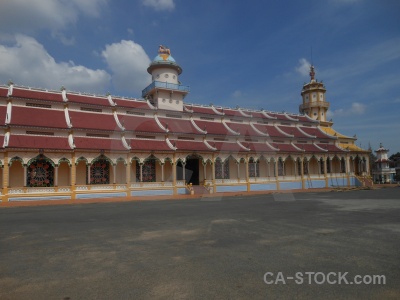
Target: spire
<point>312,73</point>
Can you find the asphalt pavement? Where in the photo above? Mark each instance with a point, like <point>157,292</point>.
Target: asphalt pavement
<point>274,246</point>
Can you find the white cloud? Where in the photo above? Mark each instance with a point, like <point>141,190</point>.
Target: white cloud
<point>28,63</point>
<point>355,109</point>
<point>237,94</point>
<point>128,62</point>
<point>160,4</point>
<point>27,16</point>
<point>304,67</point>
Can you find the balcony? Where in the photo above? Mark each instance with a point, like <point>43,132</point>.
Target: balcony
<point>314,104</point>
<point>165,85</point>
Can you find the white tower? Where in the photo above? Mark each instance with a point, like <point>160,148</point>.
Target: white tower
<point>382,172</point>
<point>165,91</point>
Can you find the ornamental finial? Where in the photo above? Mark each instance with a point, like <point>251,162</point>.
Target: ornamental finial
<point>312,72</point>
<point>164,50</point>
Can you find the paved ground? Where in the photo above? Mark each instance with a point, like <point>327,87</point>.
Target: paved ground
<point>208,248</point>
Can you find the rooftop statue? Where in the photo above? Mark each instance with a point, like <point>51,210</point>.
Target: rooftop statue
<point>164,50</point>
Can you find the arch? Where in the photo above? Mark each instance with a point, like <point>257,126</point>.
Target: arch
<point>40,172</point>
<point>14,159</point>
<point>81,158</point>
<point>103,158</point>
<point>290,166</point>
<point>64,159</point>
<point>121,159</point>
<point>313,166</point>
<point>253,165</point>
<point>222,168</point>
<point>100,170</point>
<point>281,167</point>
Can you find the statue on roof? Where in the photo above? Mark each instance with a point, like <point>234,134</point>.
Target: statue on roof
<point>312,72</point>
<point>164,50</point>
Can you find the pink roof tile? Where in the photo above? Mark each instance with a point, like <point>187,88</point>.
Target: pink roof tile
<point>285,147</point>
<point>243,129</point>
<point>315,132</point>
<point>212,127</point>
<point>3,91</point>
<point>308,147</point>
<point>38,117</point>
<point>149,145</point>
<point>190,145</point>
<point>86,99</point>
<point>38,142</point>
<point>3,112</point>
<point>140,124</point>
<point>131,103</point>
<point>226,146</point>
<point>330,147</point>
<point>1,141</point>
<point>258,147</point>
<point>38,95</point>
<point>201,110</point>
<point>232,113</point>
<point>270,130</point>
<point>293,131</point>
<point>178,125</point>
<point>98,121</point>
<point>98,143</point>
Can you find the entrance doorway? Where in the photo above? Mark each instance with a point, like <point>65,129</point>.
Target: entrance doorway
<point>192,171</point>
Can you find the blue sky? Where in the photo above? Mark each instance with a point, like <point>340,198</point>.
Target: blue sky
<point>254,54</point>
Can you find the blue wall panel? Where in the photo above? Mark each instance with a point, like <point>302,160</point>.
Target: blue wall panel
<point>231,188</point>
<point>152,192</point>
<point>39,198</point>
<point>315,184</point>
<point>100,195</point>
<point>290,185</point>
<point>263,187</point>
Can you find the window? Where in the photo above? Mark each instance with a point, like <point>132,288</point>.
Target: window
<point>40,174</point>
<point>148,171</point>
<point>100,172</point>
<point>221,169</point>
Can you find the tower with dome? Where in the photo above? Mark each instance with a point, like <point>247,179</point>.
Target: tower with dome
<point>165,91</point>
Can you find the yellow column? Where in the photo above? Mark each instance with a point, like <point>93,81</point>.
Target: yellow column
<point>302,173</point>
<point>128,177</point>
<point>247,173</point>
<point>213,174</point>
<point>278,186</point>
<point>326,173</point>
<point>73,177</point>
<point>174,175</point>
<point>6,170</point>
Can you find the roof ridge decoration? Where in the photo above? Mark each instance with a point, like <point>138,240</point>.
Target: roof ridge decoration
<point>209,146</point>
<point>230,129</point>
<point>303,132</point>
<point>283,132</point>
<point>337,144</point>
<point>124,142</point>
<point>150,105</point>
<point>10,88</point>
<point>67,117</point>
<point>265,114</point>
<point>64,94</point>
<point>6,139</point>
<point>326,134</point>
<point>170,144</point>
<point>272,147</point>
<point>298,148</point>
<point>71,141</point>
<point>319,147</point>
<point>112,103</point>
<point>257,130</point>
<point>187,110</point>
<point>289,117</point>
<point>311,119</point>
<point>241,145</point>
<point>216,111</point>
<point>117,121</point>
<point>244,114</point>
<point>197,127</point>
<point>8,113</point>
<point>159,123</point>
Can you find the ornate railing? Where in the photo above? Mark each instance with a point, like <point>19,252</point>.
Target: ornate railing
<point>166,85</point>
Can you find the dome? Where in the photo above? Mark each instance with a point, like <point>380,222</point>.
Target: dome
<point>162,60</point>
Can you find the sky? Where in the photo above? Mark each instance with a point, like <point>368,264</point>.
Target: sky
<point>253,54</point>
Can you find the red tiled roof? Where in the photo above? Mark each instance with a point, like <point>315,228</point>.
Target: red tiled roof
<point>270,129</point>
<point>243,129</point>
<point>149,145</point>
<point>279,116</point>
<point>131,103</point>
<point>285,147</point>
<point>178,125</point>
<point>330,147</point>
<point>292,130</point>
<point>140,124</point>
<point>38,117</point>
<point>201,110</point>
<point>3,91</point>
<point>226,146</point>
<point>3,112</point>
<point>212,127</point>
<point>258,147</point>
<point>38,95</point>
<point>85,99</point>
<point>190,145</point>
<point>305,119</point>
<point>98,121</point>
<point>309,147</point>
<point>38,142</point>
<point>1,141</point>
<point>315,132</point>
<point>98,143</point>
<point>232,113</point>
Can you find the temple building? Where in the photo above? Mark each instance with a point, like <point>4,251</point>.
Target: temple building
<point>382,172</point>
<point>69,145</point>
